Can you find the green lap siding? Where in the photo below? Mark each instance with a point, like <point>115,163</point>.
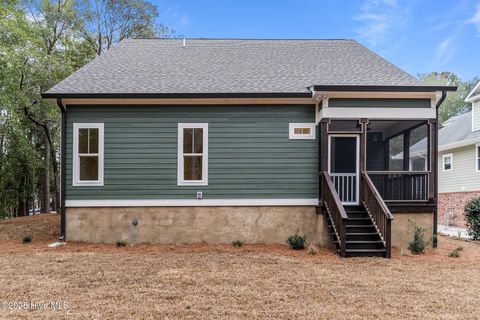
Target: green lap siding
<point>250,154</point>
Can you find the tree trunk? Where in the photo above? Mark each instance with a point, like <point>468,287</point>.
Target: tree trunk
<point>46,178</point>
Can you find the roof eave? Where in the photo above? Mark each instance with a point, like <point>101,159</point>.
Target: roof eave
<point>473,95</point>
<point>47,95</point>
<point>472,99</point>
<point>374,88</point>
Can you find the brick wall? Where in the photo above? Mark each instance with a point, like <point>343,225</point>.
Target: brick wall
<point>451,205</point>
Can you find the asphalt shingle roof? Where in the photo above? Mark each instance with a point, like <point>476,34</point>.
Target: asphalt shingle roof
<point>231,66</point>
<point>457,128</point>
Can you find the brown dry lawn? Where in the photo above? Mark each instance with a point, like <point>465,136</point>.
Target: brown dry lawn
<point>222,282</point>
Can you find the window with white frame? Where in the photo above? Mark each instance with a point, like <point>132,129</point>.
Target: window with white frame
<point>301,131</point>
<point>193,154</point>
<point>88,154</point>
<point>447,162</point>
<point>477,157</point>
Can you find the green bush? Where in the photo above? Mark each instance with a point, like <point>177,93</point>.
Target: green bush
<point>472,218</point>
<point>27,239</point>
<point>297,242</point>
<point>121,243</point>
<point>418,243</point>
<point>237,243</point>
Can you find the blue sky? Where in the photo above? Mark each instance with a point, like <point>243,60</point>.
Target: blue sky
<point>418,35</point>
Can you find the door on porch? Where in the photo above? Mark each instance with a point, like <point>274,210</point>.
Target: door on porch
<point>343,166</point>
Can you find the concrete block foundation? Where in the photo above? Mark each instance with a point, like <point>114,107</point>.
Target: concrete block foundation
<point>403,227</point>
<point>176,225</point>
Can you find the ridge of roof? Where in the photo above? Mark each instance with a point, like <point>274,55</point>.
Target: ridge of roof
<point>246,39</point>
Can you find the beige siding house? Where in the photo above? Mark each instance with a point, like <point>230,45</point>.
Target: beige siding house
<point>459,162</point>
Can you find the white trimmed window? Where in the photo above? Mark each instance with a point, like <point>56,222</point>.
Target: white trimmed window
<point>88,154</point>
<point>447,162</point>
<point>477,157</point>
<point>192,154</point>
<point>301,131</point>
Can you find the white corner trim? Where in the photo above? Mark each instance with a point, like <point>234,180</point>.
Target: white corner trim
<point>448,155</point>
<point>180,173</point>
<point>76,182</point>
<point>192,203</point>
<point>293,136</point>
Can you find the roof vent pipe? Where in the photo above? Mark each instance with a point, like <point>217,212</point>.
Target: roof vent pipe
<point>184,42</point>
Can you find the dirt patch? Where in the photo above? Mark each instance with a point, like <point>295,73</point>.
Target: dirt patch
<point>220,281</point>
<point>40,227</point>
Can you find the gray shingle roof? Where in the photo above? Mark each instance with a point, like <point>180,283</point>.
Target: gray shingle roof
<point>456,129</point>
<point>231,66</point>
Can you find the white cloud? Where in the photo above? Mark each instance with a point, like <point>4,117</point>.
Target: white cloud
<point>475,20</point>
<point>378,17</point>
<point>444,52</point>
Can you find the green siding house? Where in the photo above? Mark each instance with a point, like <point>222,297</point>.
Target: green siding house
<point>183,141</point>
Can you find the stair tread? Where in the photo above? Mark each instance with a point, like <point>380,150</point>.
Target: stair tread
<point>364,241</point>
<point>359,225</point>
<point>365,250</point>
<point>361,233</point>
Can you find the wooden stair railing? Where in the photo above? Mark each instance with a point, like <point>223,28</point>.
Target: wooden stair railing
<point>335,210</point>
<point>379,212</point>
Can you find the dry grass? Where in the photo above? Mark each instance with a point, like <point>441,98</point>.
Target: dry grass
<point>223,282</point>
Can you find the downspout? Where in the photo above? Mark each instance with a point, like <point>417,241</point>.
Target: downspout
<point>435,148</point>
<point>63,147</point>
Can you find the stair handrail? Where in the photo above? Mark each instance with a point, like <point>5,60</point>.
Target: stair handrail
<point>335,209</point>
<point>378,211</point>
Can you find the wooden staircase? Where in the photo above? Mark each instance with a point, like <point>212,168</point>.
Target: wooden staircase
<point>361,235</point>
<point>357,231</point>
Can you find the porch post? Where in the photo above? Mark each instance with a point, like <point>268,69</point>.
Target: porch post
<point>363,156</point>
<point>432,157</point>
<point>323,154</point>
<point>433,177</point>
<point>363,145</point>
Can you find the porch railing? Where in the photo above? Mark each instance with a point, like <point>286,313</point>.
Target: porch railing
<point>401,185</point>
<point>346,186</point>
<point>378,211</point>
<point>335,211</point>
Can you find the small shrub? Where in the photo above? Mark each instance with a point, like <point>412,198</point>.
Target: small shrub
<point>472,218</point>
<point>297,242</point>
<point>121,243</point>
<point>27,239</point>
<point>418,243</point>
<point>237,243</point>
<point>455,253</point>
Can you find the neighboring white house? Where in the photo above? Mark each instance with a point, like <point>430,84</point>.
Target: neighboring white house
<point>459,162</point>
